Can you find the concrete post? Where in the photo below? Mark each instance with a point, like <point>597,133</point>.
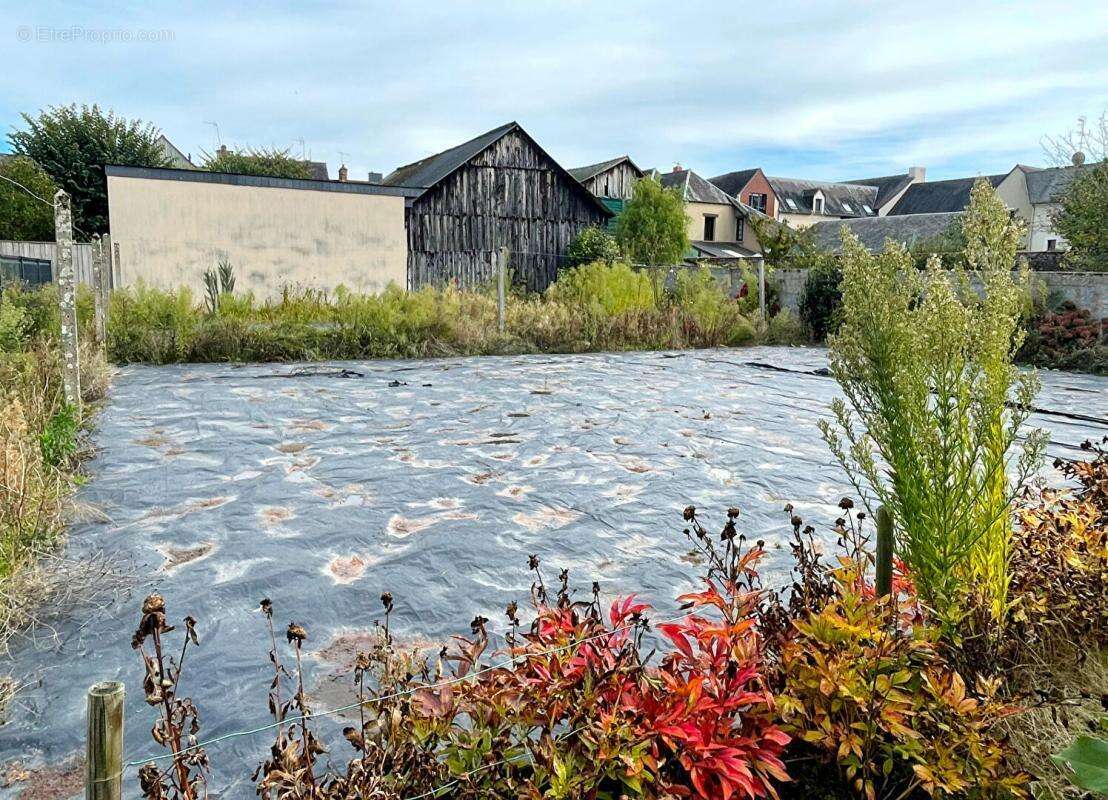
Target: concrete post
<point>501,277</point>
<point>98,288</point>
<point>67,293</point>
<point>117,275</point>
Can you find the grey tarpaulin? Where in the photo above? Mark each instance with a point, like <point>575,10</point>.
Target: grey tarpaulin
<point>434,480</point>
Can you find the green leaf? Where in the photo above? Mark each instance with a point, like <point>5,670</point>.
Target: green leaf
<point>1087,758</point>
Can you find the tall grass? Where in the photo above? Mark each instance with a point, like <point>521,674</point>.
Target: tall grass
<point>38,435</point>
<point>934,406</point>
<point>593,307</point>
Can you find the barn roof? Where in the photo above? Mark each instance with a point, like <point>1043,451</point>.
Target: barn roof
<point>428,172</point>
<point>592,170</point>
<point>733,182</point>
<point>932,197</point>
<point>906,229</point>
<point>263,181</point>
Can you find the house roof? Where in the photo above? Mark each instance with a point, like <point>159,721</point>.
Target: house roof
<point>318,170</point>
<point>733,182</point>
<point>723,250</point>
<point>695,189</point>
<point>839,199</point>
<point>887,187</point>
<point>1044,185</point>
<point>592,170</point>
<point>931,197</point>
<point>428,172</point>
<point>906,229</point>
<point>235,179</point>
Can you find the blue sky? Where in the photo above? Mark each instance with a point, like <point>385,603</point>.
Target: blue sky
<point>828,90</point>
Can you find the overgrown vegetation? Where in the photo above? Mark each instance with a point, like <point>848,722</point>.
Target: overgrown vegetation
<point>40,438</point>
<point>1066,337</point>
<point>272,162</point>
<point>593,307</point>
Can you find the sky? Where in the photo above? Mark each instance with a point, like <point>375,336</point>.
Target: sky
<point>821,90</point>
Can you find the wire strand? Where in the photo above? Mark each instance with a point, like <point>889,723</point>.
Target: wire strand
<point>40,199</point>
<point>392,696</point>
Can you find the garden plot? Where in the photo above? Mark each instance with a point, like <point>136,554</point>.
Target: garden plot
<point>321,486</point>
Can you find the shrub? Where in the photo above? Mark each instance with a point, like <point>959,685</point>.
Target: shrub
<point>593,244</point>
<point>821,300</point>
<point>1066,338</point>
<point>600,288</point>
<point>785,328</point>
<point>926,367</point>
<point>653,228</point>
<point>59,438</point>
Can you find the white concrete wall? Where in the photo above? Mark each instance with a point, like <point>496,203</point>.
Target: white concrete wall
<point>170,232</point>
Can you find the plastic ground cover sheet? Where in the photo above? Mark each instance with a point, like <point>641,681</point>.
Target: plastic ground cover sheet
<point>322,485</point>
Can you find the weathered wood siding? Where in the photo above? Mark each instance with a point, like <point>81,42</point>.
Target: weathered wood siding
<point>617,183</point>
<point>509,195</point>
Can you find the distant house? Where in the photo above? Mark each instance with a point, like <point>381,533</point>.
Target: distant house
<point>804,202</point>
<point>749,186</point>
<point>717,221</point>
<point>498,189</point>
<point>873,232</point>
<point>1043,189</point>
<point>177,159</point>
<point>890,188</point>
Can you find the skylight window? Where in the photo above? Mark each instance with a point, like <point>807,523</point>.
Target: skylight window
<point>846,205</point>
<point>866,208</point>
<point>791,203</point>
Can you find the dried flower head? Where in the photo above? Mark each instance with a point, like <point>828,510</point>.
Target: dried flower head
<point>386,601</point>
<point>296,633</point>
<point>689,513</point>
<point>846,504</point>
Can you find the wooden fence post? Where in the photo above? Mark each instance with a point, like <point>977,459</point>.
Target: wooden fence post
<point>104,753</point>
<point>98,287</point>
<point>501,270</point>
<point>67,292</point>
<point>884,556</point>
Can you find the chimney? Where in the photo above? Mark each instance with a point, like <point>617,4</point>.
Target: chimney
<point>223,150</point>
<point>676,167</point>
<point>917,174</point>
<point>375,177</point>
<point>343,173</point>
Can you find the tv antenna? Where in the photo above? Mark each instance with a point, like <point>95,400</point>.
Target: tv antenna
<point>218,138</point>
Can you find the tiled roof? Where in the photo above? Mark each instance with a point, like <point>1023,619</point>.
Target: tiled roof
<point>887,187</point>
<point>1044,185</point>
<point>694,188</point>
<point>932,197</point>
<point>584,173</point>
<point>428,171</point>
<point>906,229</point>
<point>839,199</point>
<point>733,182</point>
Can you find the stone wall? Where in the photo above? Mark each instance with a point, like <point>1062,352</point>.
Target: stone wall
<point>1085,289</point>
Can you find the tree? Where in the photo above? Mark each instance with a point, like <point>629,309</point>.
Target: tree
<point>73,144</point>
<point>653,228</point>
<point>787,247</point>
<point>269,162</point>
<point>24,217</point>
<point>1082,219</point>
<point>593,244</point>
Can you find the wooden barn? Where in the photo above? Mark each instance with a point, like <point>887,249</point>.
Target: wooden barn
<point>613,179</point>
<point>500,189</point>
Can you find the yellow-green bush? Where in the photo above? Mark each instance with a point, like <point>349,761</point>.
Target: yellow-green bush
<point>600,288</point>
